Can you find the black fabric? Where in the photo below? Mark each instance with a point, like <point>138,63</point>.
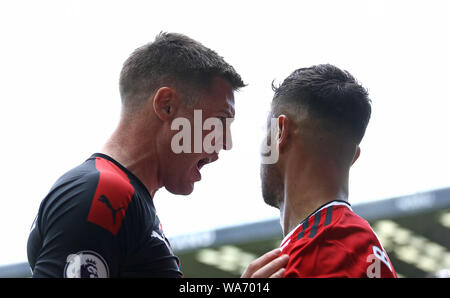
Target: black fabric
<point>62,230</point>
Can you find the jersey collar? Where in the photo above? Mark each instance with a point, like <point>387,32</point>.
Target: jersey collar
<point>326,205</point>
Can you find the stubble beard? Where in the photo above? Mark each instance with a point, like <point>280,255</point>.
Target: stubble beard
<point>272,185</point>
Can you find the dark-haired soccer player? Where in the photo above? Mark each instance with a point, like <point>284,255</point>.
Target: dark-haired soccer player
<point>321,114</point>
<point>99,220</point>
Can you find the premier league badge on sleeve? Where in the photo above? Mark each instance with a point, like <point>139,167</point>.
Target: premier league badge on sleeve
<point>86,264</point>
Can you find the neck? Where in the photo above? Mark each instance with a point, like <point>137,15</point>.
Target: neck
<point>136,152</point>
<point>307,188</point>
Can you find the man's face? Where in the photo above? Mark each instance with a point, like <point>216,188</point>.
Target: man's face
<point>271,179</point>
<point>206,137</point>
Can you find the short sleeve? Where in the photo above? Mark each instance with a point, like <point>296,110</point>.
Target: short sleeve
<point>80,230</point>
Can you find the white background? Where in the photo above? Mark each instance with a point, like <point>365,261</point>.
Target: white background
<point>59,69</point>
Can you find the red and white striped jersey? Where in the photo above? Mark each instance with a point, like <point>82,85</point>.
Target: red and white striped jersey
<point>335,242</point>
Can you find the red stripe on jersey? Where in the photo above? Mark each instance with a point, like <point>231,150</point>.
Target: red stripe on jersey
<point>305,227</point>
<point>112,196</point>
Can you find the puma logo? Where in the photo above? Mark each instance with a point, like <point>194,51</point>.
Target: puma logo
<point>106,201</point>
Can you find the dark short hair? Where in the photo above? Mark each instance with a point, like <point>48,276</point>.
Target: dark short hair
<point>172,60</point>
<point>327,93</point>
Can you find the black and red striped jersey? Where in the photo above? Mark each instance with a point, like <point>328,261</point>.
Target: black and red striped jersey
<point>335,242</point>
<point>99,220</point>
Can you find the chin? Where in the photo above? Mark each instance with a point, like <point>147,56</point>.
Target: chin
<point>271,199</point>
<point>184,190</point>
<point>272,185</point>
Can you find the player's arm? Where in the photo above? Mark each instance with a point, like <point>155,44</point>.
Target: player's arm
<point>73,245</point>
<point>270,265</point>
<point>70,243</point>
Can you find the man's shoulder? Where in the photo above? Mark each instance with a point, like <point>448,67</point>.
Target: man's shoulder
<point>95,191</point>
<point>76,180</point>
<point>95,178</point>
<point>332,237</point>
<point>344,227</point>
<point>335,222</point>
<point>90,173</point>
<point>348,224</point>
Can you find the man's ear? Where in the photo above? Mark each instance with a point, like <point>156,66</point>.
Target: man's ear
<point>355,157</point>
<point>165,103</point>
<point>283,127</point>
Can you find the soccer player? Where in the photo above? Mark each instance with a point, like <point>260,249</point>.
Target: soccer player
<point>318,117</point>
<point>99,220</point>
